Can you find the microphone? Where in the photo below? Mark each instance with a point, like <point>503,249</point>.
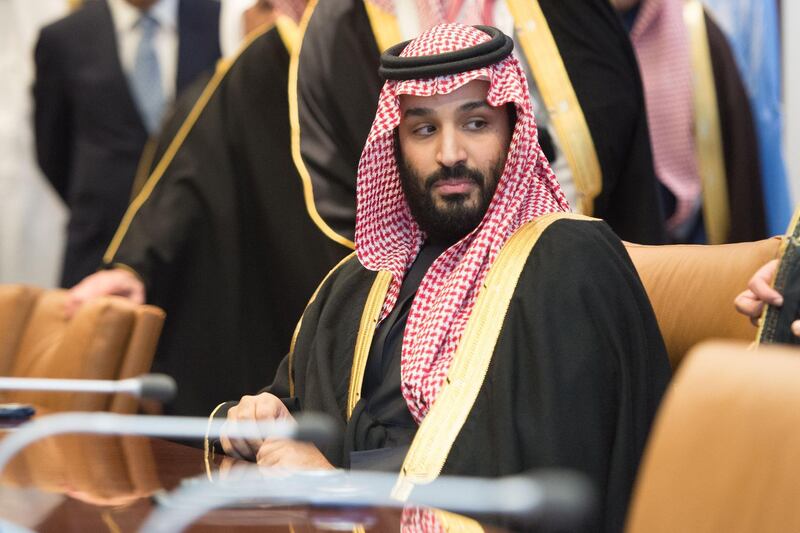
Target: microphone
<point>314,427</point>
<point>153,386</point>
<point>553,500</point>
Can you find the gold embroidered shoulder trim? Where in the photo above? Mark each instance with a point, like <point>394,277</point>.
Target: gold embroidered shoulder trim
<point>547,67</point>
<point>439,429</point>
<point>384,25</point>
<point>294,120</point>
<point>289,32</point>
<point>707,129</point>
<point>223,67</point>
<point>366,330</point>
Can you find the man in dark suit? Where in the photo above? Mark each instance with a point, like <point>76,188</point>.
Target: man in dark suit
<point>104,76</point>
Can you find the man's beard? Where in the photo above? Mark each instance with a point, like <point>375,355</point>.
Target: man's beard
<point>453,221</point>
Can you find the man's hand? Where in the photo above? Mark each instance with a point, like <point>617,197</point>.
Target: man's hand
<point>265,406</point>
<point>117,281</point>
<point>759,292</point>
<point>284,453</point>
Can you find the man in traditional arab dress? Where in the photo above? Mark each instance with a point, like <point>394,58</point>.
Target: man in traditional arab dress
<point>478,326</point>
<point>584,84</point>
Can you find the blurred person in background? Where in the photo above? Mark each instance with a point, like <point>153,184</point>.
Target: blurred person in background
<point>754,33</point>
<point>104,76</point>
<point>219,235</point>
<point>583,77</point>
<point>704,141</point>
<point>32,216</point>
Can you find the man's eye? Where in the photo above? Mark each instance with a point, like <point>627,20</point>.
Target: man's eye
<point>424,131</point>
<point>476,124</point>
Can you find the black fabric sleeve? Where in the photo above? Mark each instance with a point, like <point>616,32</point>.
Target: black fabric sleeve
<point>603,70</point>
<point>52,116</point>
<point>337,92</point>
<point>280,386</point>
<point>739,141</point>
<point>602,363</point>
<point>164,225</point>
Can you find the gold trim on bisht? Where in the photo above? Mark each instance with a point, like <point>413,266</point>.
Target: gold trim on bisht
<point>790,232</point>
<point>294,120</point>
<point>384,25</point>
<point>366,330</point>
<point>208,449</point>
<point>456,523</point>
<point>223,67</point>
<point>300,322</point>
<point>289,32</point>
<point>143,167</point>
<point>707,129</point>
<point>548,70</point>
<point>441,426</point>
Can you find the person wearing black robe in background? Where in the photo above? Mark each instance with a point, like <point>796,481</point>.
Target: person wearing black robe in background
<point>665,44</point>
<point>479,326</point>
<point>219,236</point>
<point>338,85</point>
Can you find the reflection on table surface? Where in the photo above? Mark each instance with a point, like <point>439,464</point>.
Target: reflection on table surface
<point>88,483</point>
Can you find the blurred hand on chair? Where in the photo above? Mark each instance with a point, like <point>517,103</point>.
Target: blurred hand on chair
<point>116,282</point>
<point>760,292</point>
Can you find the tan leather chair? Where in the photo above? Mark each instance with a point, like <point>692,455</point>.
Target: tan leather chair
<point>724,454</point>
<point>108,338</point>
<point>99,470</point>
<point>692,289</point>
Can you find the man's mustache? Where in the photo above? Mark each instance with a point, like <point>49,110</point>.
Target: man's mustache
<point>456,172</point>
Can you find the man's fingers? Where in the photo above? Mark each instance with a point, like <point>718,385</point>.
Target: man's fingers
<point>268,454</point>
<point>238,447</point>
<point>250,410</point>
<point>118,282</point>
<point>796,328</point>
<point>246,413</point>
<point>241,448</point>
<point>748,304</point>
<point>760,284</point>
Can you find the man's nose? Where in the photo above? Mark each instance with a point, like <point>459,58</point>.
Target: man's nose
<point>451,151</point>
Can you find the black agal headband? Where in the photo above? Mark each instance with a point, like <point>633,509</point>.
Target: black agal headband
<point>394,67</point>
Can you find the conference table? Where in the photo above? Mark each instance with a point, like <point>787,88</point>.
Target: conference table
<point>90,483</point>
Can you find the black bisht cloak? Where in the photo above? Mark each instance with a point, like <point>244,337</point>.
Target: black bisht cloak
<point>224,242</point>
<point>338,88</point>
<point>739,142</point>
<point>574,382</point>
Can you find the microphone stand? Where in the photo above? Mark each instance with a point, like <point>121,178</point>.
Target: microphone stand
<point>309,427</point>
<point>157,386</point>
<point>557,499</point>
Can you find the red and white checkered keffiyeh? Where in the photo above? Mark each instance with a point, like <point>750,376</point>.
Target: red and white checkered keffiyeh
<point>388,238</point>
<point>661,42</point>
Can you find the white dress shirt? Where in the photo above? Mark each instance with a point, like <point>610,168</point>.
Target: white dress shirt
<point>125,17</point>
<point>231,25</point>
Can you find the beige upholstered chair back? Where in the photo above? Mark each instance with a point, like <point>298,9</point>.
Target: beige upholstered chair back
<point>692,289</point>
<point>108,338</point>
<point>724,453</point>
